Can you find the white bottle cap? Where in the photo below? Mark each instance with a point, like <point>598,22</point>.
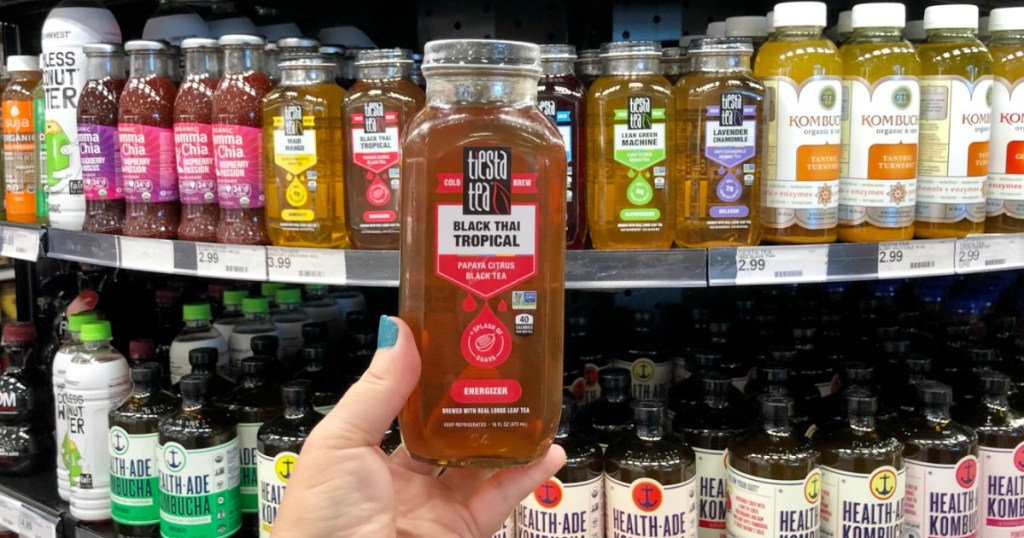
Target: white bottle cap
<point>983,27</point>
<point>687,39</point>
<point>914,31</point>
<point>800,14</point>
<point>22,63</point>
<point>879,15</point>
<point>715,29</point>
<point>240,25</point>
<point>845,24</point>
<point>1006,18</point>
<point>951,16</point>
<point>273,32</point>
<point>770,21</point>
<point>749,26</point>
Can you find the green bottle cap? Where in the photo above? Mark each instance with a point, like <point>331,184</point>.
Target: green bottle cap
<point>96,331</point>
<point>316,287</point>
<point>255,305</point>
<point>75,321</point>
<point>269,289</point>
<point>234,297</point>
<point>196,312</point>
<point>289,296</point>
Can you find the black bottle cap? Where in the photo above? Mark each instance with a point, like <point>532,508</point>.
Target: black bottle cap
<point>647,412</point>
<point>706,359</point>
<point>147,373</point>
<point>783,354</point>
<point>934,393</point>
<point>193,386</point>
<point>264,344</point>
<point>858,373</point>
<point>861,403</point>
<point>314,331</point>
<point>357,320</point>
<point>720,327</point>
<point>896,347</point>
<point>979,355</point>
<point>254,366</point>
<point>993,383</point>
<point>297,392</point>
<point>918,364</point>
<point>773,373</point>
<point>314,353</point>
<point>203,358</point>
<point>614,379</point>
<point>577,322</point>
<point>715,384</point>
<point>775,407</point>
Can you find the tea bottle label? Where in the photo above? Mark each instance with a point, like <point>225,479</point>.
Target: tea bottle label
<point>193,149</point>
<point>19,156</point>
<point>712,476</point>
<point>872,503</point>
<point>759,507</point>
<point>295,159</point>
<point>942,500</point>
<point>238,164</point>
<point>559,510</point>
<point>101,162</point>
<point>878,183</point>
<point>954,148</point>
<point>566,121</point>
<point>376,148</point>
<point>1002,492</point>
<point>640,141</point>
<point>248,434</point>
<point>731,144</point>
<point>646,508</point>
<point>134,479</point>
<point>199,490</point>
<point>649,380</point>
<point>804,137</point>
<point>273,473</point>
<point>147,163</point>
<point>1005,187</point>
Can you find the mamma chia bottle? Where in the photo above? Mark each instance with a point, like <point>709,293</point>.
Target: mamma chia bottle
<point>484,220</point>
<point>98,143</point>
<point>62,418</point>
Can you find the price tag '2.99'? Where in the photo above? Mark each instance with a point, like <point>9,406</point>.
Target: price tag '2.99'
<point>773,265</point>
<point>231,261</point>
<point>989,253</point>
<point>915,258</point>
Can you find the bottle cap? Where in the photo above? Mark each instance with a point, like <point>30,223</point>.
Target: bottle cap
<point>141,348</point>
<point>316,288</point>
<point>706,359</point>
<point>934,393</point>
<point>269,289</point>
<point>196,43</point>
<point>918,364</point>
<point>1006,18</point>
<point>100,49</point>
<point>631,48</point>
<point>205,358</point>
<point>775,407</point>
<point>994,383</point>
<point>22,63</point>
<point>297,392</point>
<point>193,386</point>
<point>253,366</point>
<point>146,45</point>
<point>769,19</point>
<point>858,373</point>
<point>647,412</point>
<point>331,50</point>
<point>984,30</point>
<point>314,331</point>
<point>479,53</point>
<point>715,384</point>
<point>233,297</point>
<point>557,52</point>
<point>614,379</point>
<point>96,331</point>
<point>288,296</point>
<point>265,344</point>
<point>951,16</point>
<point>314,354</point>
<point>383,57</point>
<point>146,373</point>
<point>845,22</point>
<point>747,26</point>
<point>19,332</point>
<point>239,40</point>
<point>896,347</point>
<point>196,312</point>
<point>75,321</point>
<point>298,44</point>
<point>255,305</point>
<point>773,373</point>
<point>861,403</point>
<point>715,29</point>
<point>979,355</point>
<point>688,40</point>
<point>165,296</point>
<point>800,14</point>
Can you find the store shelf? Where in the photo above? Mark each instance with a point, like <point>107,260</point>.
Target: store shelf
<point>30,505</point>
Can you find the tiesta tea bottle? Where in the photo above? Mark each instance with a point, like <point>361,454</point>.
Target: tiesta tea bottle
<point>483,256</point>
<point>1005,187</point>
<point>588,66</point>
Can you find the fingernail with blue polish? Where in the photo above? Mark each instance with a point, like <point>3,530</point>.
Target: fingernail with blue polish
<point>387,333</point>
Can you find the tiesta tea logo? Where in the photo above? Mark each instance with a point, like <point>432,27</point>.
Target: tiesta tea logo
<point>373,117</point>
<point>731,110</point>
<point>640,112</point>
<point>547,107</point>
<point>292,120</point>
<point>487,181</point>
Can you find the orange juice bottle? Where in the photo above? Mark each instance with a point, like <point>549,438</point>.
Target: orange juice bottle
<point>1005,188</point>
<point>801,71</point>
<point>956,109</point>
<point>878,171</point>
<point>19,166</point>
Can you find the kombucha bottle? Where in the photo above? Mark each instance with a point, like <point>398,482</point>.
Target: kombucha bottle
<point>204,361</point>
<point>588,66</point>
<point>956,110</point>
<point>801,71</point>
<point>1005,187</point>
<point>719,111</point>
<point>324,389</point>
<point>98,143</point>
<point>631,131</point>
<point>650,483</point>
<point>376,114</point>
<point>878,176</point>
<point>774,485</point>
<point>649,367</point>
<point>483,258</point>
<point>610,417</point>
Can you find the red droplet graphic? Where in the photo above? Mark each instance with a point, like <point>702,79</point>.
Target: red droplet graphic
<point>378,193</point>
<point>486,342</point>
<point>369,175</point>
<point>468,304</point>
<point>502,306</point>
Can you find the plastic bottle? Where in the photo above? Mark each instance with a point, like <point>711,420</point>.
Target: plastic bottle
<point>289,317</point>
<point>1005,187</point>
<point>25,402</point>
<point>323,389</point>
<point>173,21</point>
<point>232,315</point>
<point>204,361</point>
<point>98,142</point>
<point>610,417</point>
<point>844,26</point>
<point>321,307</point>
<point>62,416</point>
<point>39,130</point>
<point>198,333</point>
<point>18,138</point>
<point>97,382</point>
<point>256,322</point>
<point>70,25</point>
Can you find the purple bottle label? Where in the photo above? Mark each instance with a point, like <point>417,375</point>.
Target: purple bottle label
<point>193,149</point>
<point>101,162</point>
<point>239,166</point>
<point>147,163</point>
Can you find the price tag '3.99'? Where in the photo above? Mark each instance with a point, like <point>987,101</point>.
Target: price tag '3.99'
<point>306,265</point>
<point>773,265</point>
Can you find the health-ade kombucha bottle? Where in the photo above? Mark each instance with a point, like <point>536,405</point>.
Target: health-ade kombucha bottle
<point>801,71</point>
<point>378,108</point>
<point>562,98</point>
<point>650,368</point>
<point>1005,187</point>
<point>483,215</point>
<point>570,503</point>
<point>145,121</point>
<point>631,131</point>
<point>302,132</point>
<point>610,417</point>
<point>719,112</point>
<point>862,473</point>
<point>774,486</point>
<point>193,140</point>
<point>650,481</point>
<point>98,138</point>
<point>878,171</point>
<point>198,462</point>
<point>942,468</point>
<point>134,429</point>
<point>238,142</point>
<point>956,110</point>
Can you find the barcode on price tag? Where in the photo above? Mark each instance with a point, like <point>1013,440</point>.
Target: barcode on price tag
<point>306,265</point>
<point>773,265</point>
<point>155,255</point>
<point>231,261</point>
<point>20,243</point>
<point>10,512</point>
<point>31,524</point>
<point>915,258</point>
<point>989,253</point>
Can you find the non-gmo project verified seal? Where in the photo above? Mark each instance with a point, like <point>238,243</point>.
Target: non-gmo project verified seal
<point>524,300</point>
<point>524,325</point>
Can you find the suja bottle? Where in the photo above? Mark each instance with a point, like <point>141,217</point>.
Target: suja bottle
<point>19,166</point>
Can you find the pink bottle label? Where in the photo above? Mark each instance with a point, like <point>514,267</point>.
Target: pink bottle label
<point>193,148</point>
<point>239,165</point>
<point>101,162</point>
<point>147,163</point>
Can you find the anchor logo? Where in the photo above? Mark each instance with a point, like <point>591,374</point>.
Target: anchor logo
<point>284,464</point>
<point>118,441</point>
<point>1018,457</point>
<point>549,494</point>
<point>647,495</point>
<point>812,487</point>
<point>883,484</point>
<point>643,370</point>
<point>174,457</point>
<point>967,472</point>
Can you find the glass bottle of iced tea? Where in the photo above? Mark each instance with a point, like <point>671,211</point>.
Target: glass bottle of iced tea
<point>193,140</point>
<point>1005,188</point>
<point>145,120</point>
<point>588,66</point>
<point>98,141</point>
<point>296,48</point>
<point>675,63</point>
<point>483,214</point>
<point>378,109</point>
<point>238,142</point>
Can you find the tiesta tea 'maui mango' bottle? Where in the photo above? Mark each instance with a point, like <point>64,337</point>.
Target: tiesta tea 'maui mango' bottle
<point>483,257</point>
<point>1005,187</point>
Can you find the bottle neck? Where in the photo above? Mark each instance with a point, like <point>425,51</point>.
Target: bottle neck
<point>557,68</point>
<point>201,368</point>
<point>142,390</point>
<point>736,63</point>
<point>393,71</point>
<point>257,316</point>
<point>192,402</point>
<point>314,366</point>
<point>74,338</point>
<point>203,64</point>
<point>776,425</point>
<point>935,412</point>
<point>951,34</point>
<point>997,401</point>
<point>617,395</point>
<point>197,324</point>
<point>862,423</point>
<point>650,432</point>
<point>149,65</point>
<point>19,356</point>
<point>717,401</point>
<point>632,65</point>
<point>1008,37</point>
<point>306,75</point>
<point>96,345</point>
<point>252,381</point>
<point>297,410</point>
<point>243,60</point>
<point>798,33</point>
<point>232,309</point>
<point>104,66</point>
<point>471,87</point>
<point>887,33</point>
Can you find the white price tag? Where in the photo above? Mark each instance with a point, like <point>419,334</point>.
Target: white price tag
<point>33,525</point>
<point>774,265</point>
<point>915,258</point>
<point>989,253</point>
<point>306,265</point>
<point>231,261</point>
<point>10,512</point>
<point>20,243</point>
<point>156,255</point>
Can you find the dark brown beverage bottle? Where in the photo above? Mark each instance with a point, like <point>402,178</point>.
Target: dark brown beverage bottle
<point>609,418</point>
<point>325,389</point>
<point>650,367</point>
<point>392,438</point>
<point>203,361</point>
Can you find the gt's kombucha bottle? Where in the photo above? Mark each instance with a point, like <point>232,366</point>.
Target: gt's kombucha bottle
<point>483,256</point>
<point>774,486</point>
<point>878,172</point>
<point>630,162</point>
<point>956,109</point>
<point>801,70</point>
<point>1005,187</point>
<point>719,111</point>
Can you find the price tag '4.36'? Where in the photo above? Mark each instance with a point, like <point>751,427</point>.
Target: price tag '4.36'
<point>989,253</point>
<point>231,261</point>
<point>773,265</point>
<point>915,258</point>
